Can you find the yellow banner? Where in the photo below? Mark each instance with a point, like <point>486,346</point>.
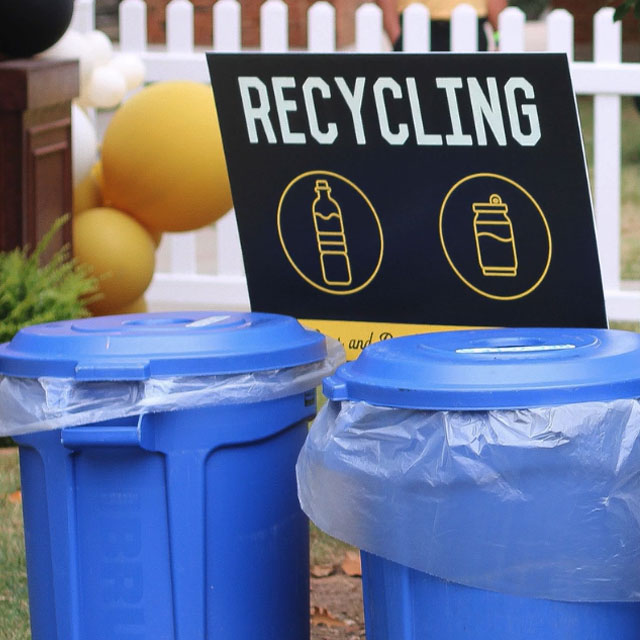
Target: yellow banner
<point>355,336</point>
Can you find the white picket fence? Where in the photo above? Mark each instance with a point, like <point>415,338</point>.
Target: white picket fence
<point>184,282</point>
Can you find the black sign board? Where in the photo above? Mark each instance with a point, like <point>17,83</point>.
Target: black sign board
<point>405,192</point>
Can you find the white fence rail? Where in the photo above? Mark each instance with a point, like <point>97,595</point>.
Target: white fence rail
<point>607,78</point>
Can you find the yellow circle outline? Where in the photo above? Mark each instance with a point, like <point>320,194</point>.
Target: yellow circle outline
<point>450,261</point>
<point>290,259</point>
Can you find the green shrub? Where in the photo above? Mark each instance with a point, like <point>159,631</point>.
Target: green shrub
<point>625,7</point>
<point>33,294</point>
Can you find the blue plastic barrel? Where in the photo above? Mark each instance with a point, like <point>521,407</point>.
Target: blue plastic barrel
<point>479,517</point>
<point>401,603</point>
<point>176,525</point>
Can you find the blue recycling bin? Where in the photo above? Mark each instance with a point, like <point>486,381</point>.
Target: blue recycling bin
<point>403,603</point>
<point>168,509</point>
<point>491,479</point>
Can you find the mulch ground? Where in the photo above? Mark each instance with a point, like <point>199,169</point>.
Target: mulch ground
<point>336,608</point>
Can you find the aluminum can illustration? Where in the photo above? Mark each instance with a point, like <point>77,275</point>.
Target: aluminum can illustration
<point>495,242</point>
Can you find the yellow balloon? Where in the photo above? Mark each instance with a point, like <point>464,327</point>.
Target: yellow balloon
<point>97,175</point>
<point>119,250</point>
<point>156,236</point>
<point>137,306</point>
<point>163,160</point>
<point>87,194</point>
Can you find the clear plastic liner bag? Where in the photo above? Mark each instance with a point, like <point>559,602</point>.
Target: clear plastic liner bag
<point>28,405</point>
<point>541,502</point>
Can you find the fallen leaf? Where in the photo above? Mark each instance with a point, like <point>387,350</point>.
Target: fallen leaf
<point>351,564</point>
<point>15,497</point>
<point>322,570</point>
<point>321,616</point>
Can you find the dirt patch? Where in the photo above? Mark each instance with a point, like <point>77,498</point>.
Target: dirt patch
<point>336,589</point>
<point>336,604</point>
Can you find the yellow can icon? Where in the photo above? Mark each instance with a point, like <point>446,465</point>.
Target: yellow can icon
<point>495,242</point>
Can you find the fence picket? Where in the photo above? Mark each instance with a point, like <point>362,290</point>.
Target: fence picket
<point>229,257</point>
<point>83,18</point>
<point>369,28</point>
<point>179,16</point>
<point>321,27</point>
<point>606,151</point>
<point>511,28</point>
<point>464,29</point>
<point>274,35</point>
<point>182,253</point>
<point>227,35</point>
<point>133,25</point>
<point>560,32</point>
<point>416,34</point>
<point>180,26</point>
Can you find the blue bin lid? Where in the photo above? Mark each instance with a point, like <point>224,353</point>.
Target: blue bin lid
<point>140,346</point>
<point>493,369</point>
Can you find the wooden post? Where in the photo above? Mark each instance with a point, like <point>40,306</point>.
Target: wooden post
<point>35,149</point>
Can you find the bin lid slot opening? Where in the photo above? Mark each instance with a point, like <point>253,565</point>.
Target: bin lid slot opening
<point>516,348</point>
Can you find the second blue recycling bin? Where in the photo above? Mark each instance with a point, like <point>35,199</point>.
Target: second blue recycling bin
<point>168,509</point>
<point>491,479</point>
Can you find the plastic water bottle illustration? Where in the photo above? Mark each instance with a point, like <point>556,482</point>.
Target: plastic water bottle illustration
<point>332,243</point>
<point>495,243</point>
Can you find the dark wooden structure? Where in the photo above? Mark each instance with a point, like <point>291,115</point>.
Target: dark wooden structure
<point>35,149</point>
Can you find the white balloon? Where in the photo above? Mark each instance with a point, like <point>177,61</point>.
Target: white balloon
<point>101,47</point>
<point>84,144</point>
<point>106,87</point>
<point>73,45</point>
<point>131,67</point>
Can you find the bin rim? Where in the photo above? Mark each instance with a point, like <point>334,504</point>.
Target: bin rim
<point>487,369</point>
<point>150,345</point>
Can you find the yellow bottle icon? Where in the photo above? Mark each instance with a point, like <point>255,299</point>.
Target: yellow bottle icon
<point>495,243</point>
<point>332,243</point>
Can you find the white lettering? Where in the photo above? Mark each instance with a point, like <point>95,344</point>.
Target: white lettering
<point>318,84</point>
<point>486,110</point>
<point>506,112</point>
<point>529,111</point>
<point>457,137</point>
<point>379,88</point>
<point>283,107</point>
<point>422,138</point>
<point>354,102</point>
<point>254,114</point>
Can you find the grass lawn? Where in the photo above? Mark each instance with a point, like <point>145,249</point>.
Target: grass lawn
<point>630,187</point>
<point>14,617</point>
<point>14,612</point>
<point>630,179</point>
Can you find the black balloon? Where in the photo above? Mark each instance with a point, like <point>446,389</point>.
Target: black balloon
<point>28,27</point>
